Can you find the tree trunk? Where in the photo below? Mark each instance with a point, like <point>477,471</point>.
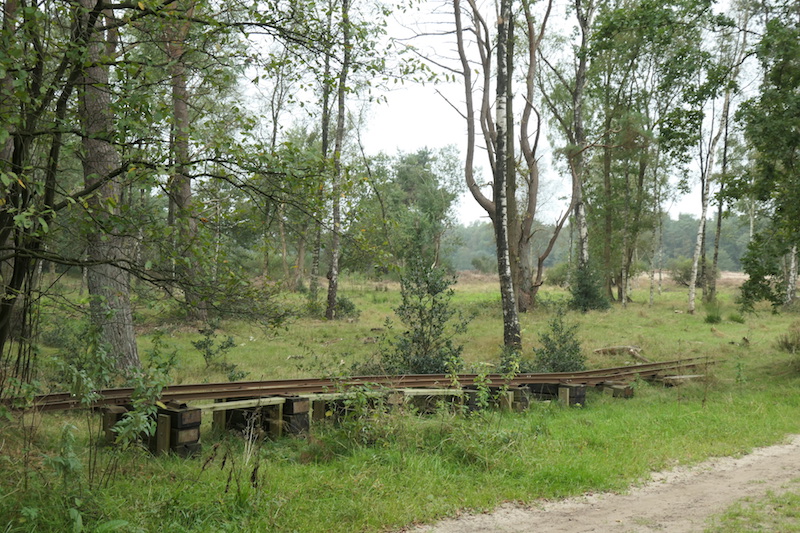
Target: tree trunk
<point>108,282</point>
<point>180,188</point>
<point>791,282</point>
<point>584,15</point>
<point>511,329</point>
<point>333,273</point>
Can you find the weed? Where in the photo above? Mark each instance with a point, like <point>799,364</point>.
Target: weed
<point>736,318</point>
<point>790,341</point>
<point>713,313</point>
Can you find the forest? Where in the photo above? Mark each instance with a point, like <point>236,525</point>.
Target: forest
<point>211,155</point>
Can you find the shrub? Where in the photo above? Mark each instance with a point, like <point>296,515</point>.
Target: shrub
<point>587,291</point>
<point>427,345</point>
<point>560,350</point>
<point>557,275</point>
<point>485,263</point>
<point>345,308</point>
<point>713,313</point>
<point>680,271</point>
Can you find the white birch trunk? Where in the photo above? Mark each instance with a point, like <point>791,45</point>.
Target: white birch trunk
<point>791,282</point>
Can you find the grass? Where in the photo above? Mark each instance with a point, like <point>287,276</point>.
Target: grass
<point>778,511</point>
<point>374,473</point>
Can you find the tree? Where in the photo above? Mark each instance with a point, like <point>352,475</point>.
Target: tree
<point>108,247</point>
<point>772,127</point>
<point>403,210</point>
<point>511,178</point>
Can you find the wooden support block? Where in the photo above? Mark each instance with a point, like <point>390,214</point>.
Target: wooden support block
<point>296,405</point>
<point>297,424</point>
<point>396,398</point>
<point>111,415</point>
<point>274,418</point>
<point>180,436</point>
<point>220,422</point>
<point>183,417</point>
<point>622,391</point>
<point>505,400</point>
<point>163,433</point>
<point>563,395</point>
<point>522,398</point>
<point>318,410</point>
<point>569,394</point>
<point>187,450</point>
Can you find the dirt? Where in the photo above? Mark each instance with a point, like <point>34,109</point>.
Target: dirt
<point>679,501</point>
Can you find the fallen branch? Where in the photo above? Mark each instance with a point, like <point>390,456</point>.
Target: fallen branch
<point>633,351</point>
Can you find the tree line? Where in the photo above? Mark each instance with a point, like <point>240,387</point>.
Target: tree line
<point>211,154</point>
<point>472,246</point>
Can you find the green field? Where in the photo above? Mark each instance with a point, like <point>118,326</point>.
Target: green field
<point>381,471</point>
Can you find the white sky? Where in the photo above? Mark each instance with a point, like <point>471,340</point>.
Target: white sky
<point>415,116</point>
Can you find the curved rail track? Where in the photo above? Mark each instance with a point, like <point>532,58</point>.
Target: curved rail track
<point>298,387</point>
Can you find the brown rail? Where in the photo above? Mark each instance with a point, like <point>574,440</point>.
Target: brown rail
<point>294,387</point>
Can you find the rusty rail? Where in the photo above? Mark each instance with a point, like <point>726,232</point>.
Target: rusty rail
<point>293,387</point>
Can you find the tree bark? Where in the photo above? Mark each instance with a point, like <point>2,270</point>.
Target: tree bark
<point>511,329</point>
<point>341,117</point>
<point>108,250</point>
<point>791,282</point>
<point>180,184</point>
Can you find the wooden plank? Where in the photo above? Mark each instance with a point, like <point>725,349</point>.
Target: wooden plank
<point>163,430</point>
<point>220,423</point>
<point>243,404</point>
<point>673,381</point>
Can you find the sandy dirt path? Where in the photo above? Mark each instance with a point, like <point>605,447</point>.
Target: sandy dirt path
<point>678,501</point>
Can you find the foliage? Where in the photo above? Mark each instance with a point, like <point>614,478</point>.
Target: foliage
<point>790,341</point>
<point>512,362</point>
<point>763,263</point>
<point>427,346</point>
<point>215,353</point>
<point>484,263</point>
<point>557,275</point>
<point>587,291</point>
<point>560,349</point>
<point>680,271</point>
<point>346,308</point>
<point>770,123</point>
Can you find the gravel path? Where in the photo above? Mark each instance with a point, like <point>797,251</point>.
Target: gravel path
<point>678,501</point>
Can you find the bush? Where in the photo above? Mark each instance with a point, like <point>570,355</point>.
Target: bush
<point>345,308</point>
<point>680,271</point>
<point>557,275</point>
<point>485,263</point>
<point>587,292</point>
<point>427,345</point>
<point>561,350</point>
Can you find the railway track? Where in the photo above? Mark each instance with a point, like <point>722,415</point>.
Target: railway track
<point>298,387</point>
